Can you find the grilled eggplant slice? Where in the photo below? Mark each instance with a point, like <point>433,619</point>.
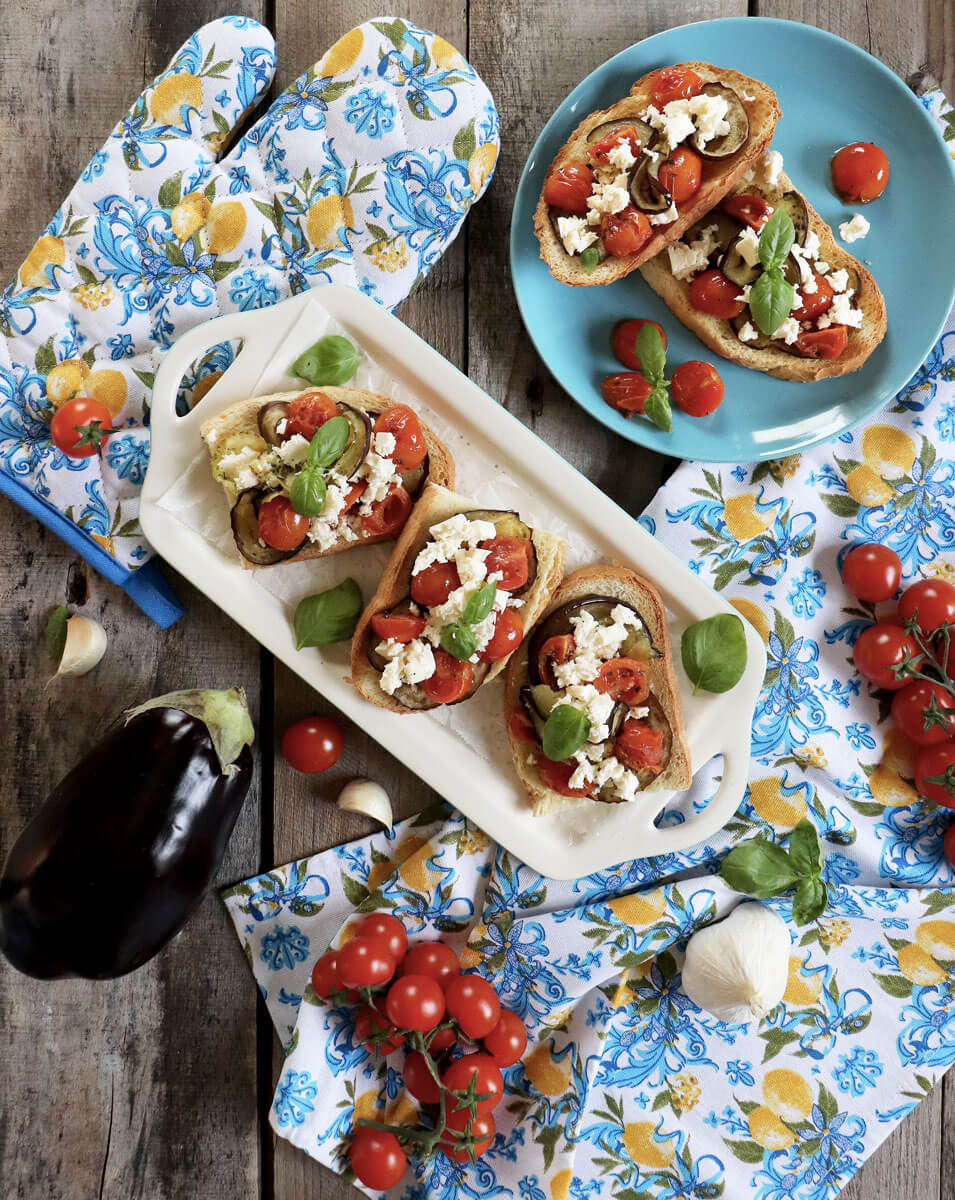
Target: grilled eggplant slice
<point>638,645</point>
<point>735,267</point>
<point>271,415</point>
<point>245,529</point>
<point>646,190</point>
<point>359,441</point>
<point>733,140</point>
<point>727,231</point>
<point>646,134</point>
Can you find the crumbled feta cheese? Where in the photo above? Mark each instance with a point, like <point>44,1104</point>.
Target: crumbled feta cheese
<point>384,443</point>
<point>450,536</point>
<point>806,273</point>
<point>841,312</point>
<point>597,706</point>
<point>411,662</point>
<point>748,246</point>
<point>664,218</point>
<point>212,437</point>
<point>324,530</point>
<point>811,246</point>
<point>797,299</point>
<point>621,156</point>
<point>470,565</point>
<point>821,266</point>
<point>609,197</point>
<point>639,712</point>
<point>622,783</point>
<point>574,234</point>
<point>704,114</point>
<point>788,331</point>
<point>744,293</point>
<point>772,168</point>
<point>674,123</point>
<point>810,286</point>
<point>853,230</point>
<point>685,260</point>
<point>294,450</point>
<point>281,426</point>
<point>381,475</point>
<point>246,478</point>
<point>230,465</point>
<point>595,643</point>
<point>747,333</point>
<point>839,280</point>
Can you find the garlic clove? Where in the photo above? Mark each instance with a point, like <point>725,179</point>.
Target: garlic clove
<point>367,797</point>
<point>737,968</point>
<point>85,646</point>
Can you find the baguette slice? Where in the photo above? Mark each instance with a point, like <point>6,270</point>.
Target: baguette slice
<point>239,425</point>
<point>666,712</point>
<point>719,175</point>
<point>437,504</point>
<point>721,338</point>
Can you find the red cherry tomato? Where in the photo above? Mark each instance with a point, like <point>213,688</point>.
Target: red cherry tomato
<point>556,776</point>
<point>325,977</point>
<point>80,427</point>
<point>860,172</point>
<point>823,343</point>
<point>931,602</point>
<point>375,1033</point>
<point>376,1158</point>
<point>354,494</point>
<point>674,83</point>
<point>814,304</point>
<point>748,209</point>
<point>365,962</point>
<point>415,1002</point>
<point>410,447</point>
<point>280,526</point>
<point>386,929</point>
<point>507,1041</point>
<point>623,341</point>
<point>714,294</point>
<point>625,232</point>
<point>624,679</point>
<point>697,388</point>
<point>600,151</point>
<point>433,959</point>
<point>473,1003</point>
<point>434,584</point>
<point>419,1082</point>
<point>451,680</point>
<point>949,844</point>
<point>387,515</point>
<point>626,391</point>
<point>312,745</point>
<point>482,1129</point>
<point>554,652</point>
<point>880,648</point>
<point>488,1081</point>
<point>935,774</point>
<point>681,174</point>
<point>508,635</point>
<point>521,729</point>
<point>307,413</point>
<point>444,1039</point>
<point>569,188</point>
<point>508,557</point>
<point>872,572</point>
<point>398,627</point>
<point>923,711</point>
<point>639,747</point>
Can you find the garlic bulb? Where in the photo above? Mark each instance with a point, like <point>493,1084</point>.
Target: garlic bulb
<point>84,647</point>
<point>371,799</point>
<point>736,969</point>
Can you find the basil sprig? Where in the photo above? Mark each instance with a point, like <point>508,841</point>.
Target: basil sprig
<point>308,490</point>
<point>771,296</point>
<point>714,652</point>
<point>761,868</point>
<point>331,362</point>
<point>652,359</point>
<point>565,731</point>
<point>458,638</point>
<point>56,632</point>
<point>329,616</point>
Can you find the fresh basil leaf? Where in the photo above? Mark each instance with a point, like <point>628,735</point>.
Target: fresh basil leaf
<point>308,491</point>
<point>329,616</point>
<point>759,868</point>
<point>810,900</point>
<point>714,652</point>
<point>56,632</point>
<point>458,641</point>
<point>590,258</point>
<point>479,604</point>
<point>650,353</point>
<point>565,731</point>
<point>657,407</point>
<point>776,239</point>
<point>333,360</point>
<point>771,300</point>
<point>328,443</point>
<point>804,848</point>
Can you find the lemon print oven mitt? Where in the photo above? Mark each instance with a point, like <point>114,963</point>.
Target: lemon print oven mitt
<point>360,173</point>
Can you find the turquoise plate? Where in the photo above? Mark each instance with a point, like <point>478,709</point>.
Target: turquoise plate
<point>830,93</point>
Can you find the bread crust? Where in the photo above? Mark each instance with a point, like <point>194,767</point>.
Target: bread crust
<point>719,176</point>
<point>720,337</point>
<point>242,419</point>
<point>622,584</point>
<point>437,504</point>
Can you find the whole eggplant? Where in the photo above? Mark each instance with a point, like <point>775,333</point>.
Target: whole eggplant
<point>120,854</point>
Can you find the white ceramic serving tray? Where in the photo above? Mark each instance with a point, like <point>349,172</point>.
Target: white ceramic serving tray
<point>460,751</point>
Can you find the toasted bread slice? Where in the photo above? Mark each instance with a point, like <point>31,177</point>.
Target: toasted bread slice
<point>437,504</point>
<point>719,175</point>
<point>666,712</point>
<point>719,335</point>
<point>238,426</point>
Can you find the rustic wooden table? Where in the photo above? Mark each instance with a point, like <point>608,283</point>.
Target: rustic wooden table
<point>158,1085</point>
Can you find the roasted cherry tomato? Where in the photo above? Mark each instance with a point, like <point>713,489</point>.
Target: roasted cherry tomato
<point>398,627</point>
<point>814,304</point>
<point>521,729</point>
<point>712,293</point>
<point>697,388</point>
<point>624,679</point>
<point>507,1041</point>
<point>623,341</point>
<point>365,962</point>
<point>674,83</point>
<point>600,151</point>
<point>488,1081</point>
<point>325,977</point>
<point>639,747</point>
<point>626,391</point>
<point>924,712</point>
<point>386,929</point>
<point>823,343</point>
<point>434,959</point>
<point>376,1033</point>
<point>872,572</point>
<point>307,413</point>
<point>949,844</point>
<point>508,557</point>
<point>415,1002</point>
<point>625,232</point>
<point>935,774</point>
<point>280,526</point>
<point>410,447</point>
<point>880,648</point>
<point>376,1158</point>
<point>553,653</point>
<point>860,172</point>
<point>473,1003</point>
<point>81,427</point>
<point>389,514</point>
<point>569,188</point>
<point>434,584</point>
<point>748,209</point>
<point>556,776</point>
<point>354,494</point>
<point>508,635</point>
<point>312,745</point>
<point>482,1130</point>
<point>418,1080</point>
<point>931,602</point>
<point>451,680</point>
<point>681,174</point>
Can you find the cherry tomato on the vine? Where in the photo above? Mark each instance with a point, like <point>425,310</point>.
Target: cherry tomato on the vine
<point>488,1081</point>
<point>384,928</point>
<point>365,962</point>
<point>473,1003</point>
<point>376,1032</point>
<point>444,1039</point>
<point>434,959</point>
<point>872,572</point>
<point>325,977</point>
<point>376,1158</point>
<point>880,648</point>
<point>931,602</point>
<point>507,1041</point>
<point>312,745</point>
<point>419,1082</point>
<point>482,1129</point>
<point>924,712</point>
<point>935,773</point>
<point>949,844</point>
<point>415,1002</point>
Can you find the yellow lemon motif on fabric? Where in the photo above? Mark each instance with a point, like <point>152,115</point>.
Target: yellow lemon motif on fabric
<point>404,1111</point>
<point>93,296</point>
<point>769,803</point>
<point>639,909</point>
<point>105,542</point>
<point>325,218</point>
<point>480,165</point>
<point>549,1077</point>
<point>937,938</point>
<point>898,753</point>
<point>919,967</point>
<point>189,215</point>
<point>867,488</point>
<point>686,1089</point>
<point>889,788</point>
<point>65,380</point>
<point>48,251</point>
<point>445,55</point>
<point>347,934</point>
<point>414,868</point>
<point>801,991</point>
<point>560,1184</point>
<point>834,932</point>
<point>754,614</point>
<point>206,384</point>
<point>941,569</point>
<point>811,756</point>
<point>766,1130</point>
<point>639,1143</point>
<point>784,468</point>
<point>470,957</point>
<point>624,993</point>
<point>378,872</point>
<point>171,94</point>
<point>109,388</point>
<point>742,519</point>
<point>888,451</point>
<point>225,226</point>
<point>787,1095</point>
<point>343,54</point>
<point>366,1107</point>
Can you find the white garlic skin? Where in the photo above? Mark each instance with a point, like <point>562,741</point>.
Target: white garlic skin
<point>736,969</point>
<point>367,797</point>
<point>84,647</point>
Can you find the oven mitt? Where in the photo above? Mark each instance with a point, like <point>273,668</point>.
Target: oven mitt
<point>360,173</point>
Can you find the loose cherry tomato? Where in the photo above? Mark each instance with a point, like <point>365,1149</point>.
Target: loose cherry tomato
<point>398,627</point>
<point>639,747</point>
<point>600,151</point>
<point>556,776</point>
<point>697,388</point>
<point>623,341</point>
<point>376,1158</point>
<point>419,1082</point>
<point>307,413</point>
<point>433,959</point>
<point>872,572</point>
<point>508,557</point>
<point>488,1081</point>
<point>822,343</point>
<point>389,514</point>
<point>624,679</point>
<point>81,427</point>
<point>814,304</point>
<point>553,653</point>
<point>473,1003</point>
<point>325,977</point>
<point>508,635</point>
<point>386,929</point>
<point>365,962</point>
<point>626,391</point>
<point>569,188</point>
<point>949,844</point>
<point>860,172</point>
<point>410,447</point>
<point>935,774</point>
<point>923,711</point>
<point>434,584</point>
<point>674,83</point>
<point>880,648</point>
<point>312,745</point>
<point>451,679</point>
<point>521,729</point>
<point>507,1041</point>
<point>375,1033</point>
<point>415,1002</point>
<point>681,174</point>
<point>712,293</point>
<point>625,232</point>
<point>444,1039</point>
<point>931,602</point>
<point>280,526</point>
<point>482,1129</point>
<point>748,209</point>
